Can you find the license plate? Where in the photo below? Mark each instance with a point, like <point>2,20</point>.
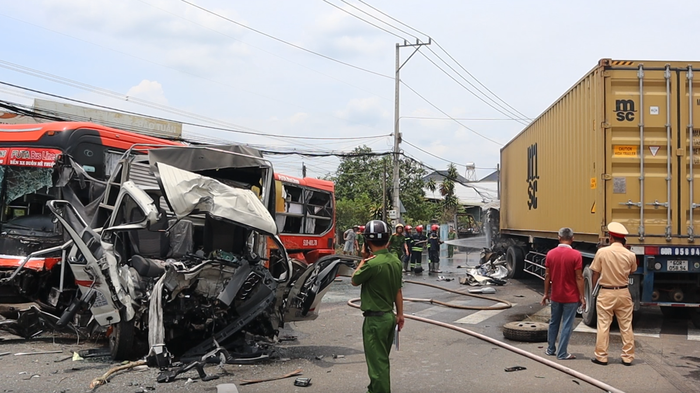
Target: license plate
<point>677,266</point>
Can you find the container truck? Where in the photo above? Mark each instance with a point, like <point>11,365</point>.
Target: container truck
<point>620,145</point>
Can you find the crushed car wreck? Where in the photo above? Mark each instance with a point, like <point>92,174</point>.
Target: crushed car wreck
<point>180,258</point>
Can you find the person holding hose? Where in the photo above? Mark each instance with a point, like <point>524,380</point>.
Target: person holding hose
<point>409,244</point>
<point>434,243</point>
<point>379,274</point>
<point>418,241</point>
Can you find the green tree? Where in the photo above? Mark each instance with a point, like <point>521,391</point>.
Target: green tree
<point>361,175</point>
<point>450,203</point>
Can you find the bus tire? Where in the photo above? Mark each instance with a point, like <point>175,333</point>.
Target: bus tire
<point>515,262</point>
<point>590,318</point>
<point>121,340</point>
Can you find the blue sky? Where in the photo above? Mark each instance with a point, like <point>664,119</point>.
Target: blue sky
<point>171,53</point>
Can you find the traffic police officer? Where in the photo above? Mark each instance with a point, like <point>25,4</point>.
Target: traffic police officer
<point>613,265</point>
<point>380,277</point>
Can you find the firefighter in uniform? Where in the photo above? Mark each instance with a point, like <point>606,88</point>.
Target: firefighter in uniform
<point>613,265</point>
<point>380,277</point>
<point>360,240</point>
<point>418,241</point>
<point>409,244</point>
<point>434,243</point>
<point>397,242</point>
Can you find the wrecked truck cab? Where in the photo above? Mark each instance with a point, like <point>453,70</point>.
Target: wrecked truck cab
<point>181,263</point>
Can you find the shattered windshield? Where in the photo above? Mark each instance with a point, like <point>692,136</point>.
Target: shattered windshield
<point>24,191</point>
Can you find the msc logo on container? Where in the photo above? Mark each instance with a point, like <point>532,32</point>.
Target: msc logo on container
<point>532,176</point>
<point>624,110</point>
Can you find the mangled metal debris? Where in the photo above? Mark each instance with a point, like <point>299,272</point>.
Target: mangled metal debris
<point>180,254</point>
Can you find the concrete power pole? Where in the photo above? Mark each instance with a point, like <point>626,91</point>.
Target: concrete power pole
<point>397,134</point>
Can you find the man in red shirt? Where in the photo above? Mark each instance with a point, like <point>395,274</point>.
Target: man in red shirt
<point>563,275</point>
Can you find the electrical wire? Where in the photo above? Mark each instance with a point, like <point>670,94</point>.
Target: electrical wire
<point>460,118</point>
<point>365,20</point>
<point>285,42</point>
<point>263,50</point>
<point>478,81</point>
<point>448,55</point>
<point>504,112</point>
<point>191,123</point>
<point>452,118</point>
<point>431,154</point>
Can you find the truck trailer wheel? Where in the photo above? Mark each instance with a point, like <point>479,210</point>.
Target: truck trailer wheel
<point>589,314</point>
<point>526,331</point>
<point>515,262</point>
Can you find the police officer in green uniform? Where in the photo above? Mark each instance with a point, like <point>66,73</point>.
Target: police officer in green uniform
<point>380,277</point>
<point>397,242</point>
<point>409,243</point>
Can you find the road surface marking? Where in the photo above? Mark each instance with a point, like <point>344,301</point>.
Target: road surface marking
<point>654,333</point>
<point>693,332</point>
<point>478,317</point>
<point>429,312</point>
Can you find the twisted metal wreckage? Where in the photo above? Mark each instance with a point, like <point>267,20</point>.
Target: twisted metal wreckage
<point>176,255</point>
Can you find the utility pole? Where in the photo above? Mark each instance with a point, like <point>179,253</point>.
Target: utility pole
<point>384,194</point>
<point>397,134</point>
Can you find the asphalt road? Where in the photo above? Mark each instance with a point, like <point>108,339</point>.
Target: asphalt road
<point>431,359</point>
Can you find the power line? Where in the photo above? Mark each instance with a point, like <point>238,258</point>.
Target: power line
<point>447,53</point>
<point>372,16</point>
<point>460,118</point>
<point>392,18</point>
<point>479,82</point>
<point>453,119</point>
<point>506,113</point>
<point>261,49</point>
<point>190,123</point>
<point>456,180</point>
<point>283,41</point>
<point>431,154</point>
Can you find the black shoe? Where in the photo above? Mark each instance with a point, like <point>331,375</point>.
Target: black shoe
<point>596,361</point>
<point>627,363</point>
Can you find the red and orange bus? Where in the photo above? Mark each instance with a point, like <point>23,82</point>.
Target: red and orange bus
<point>28,153</point>
<point>305,215</point>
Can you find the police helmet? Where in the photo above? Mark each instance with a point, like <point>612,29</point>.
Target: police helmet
<point>376,230</point>
<point>419,228</point>
<point>434,227</point>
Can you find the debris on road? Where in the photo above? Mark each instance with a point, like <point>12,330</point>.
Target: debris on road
<point>95,353</point>
<point>77,357</point>
<point>226,388</point>
<point>287,338</point>
<point>515,368</point>
<point>4,353</point>
<point>252,381</point>
<point>303,382</point>
<point>485,290</point>
<point>105,377</point>
<point>36,353</point>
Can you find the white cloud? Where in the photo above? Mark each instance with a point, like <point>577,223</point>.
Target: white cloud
<point>150,91</point>
<point>364,111</point>
<point>298,117</point>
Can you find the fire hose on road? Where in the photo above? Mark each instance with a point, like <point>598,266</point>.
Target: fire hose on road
<point>505,304</point>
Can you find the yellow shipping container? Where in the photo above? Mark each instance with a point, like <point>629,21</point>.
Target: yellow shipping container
<point>617,146</point>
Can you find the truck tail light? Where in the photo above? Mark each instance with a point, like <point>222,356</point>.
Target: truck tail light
<point>651,250</point>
